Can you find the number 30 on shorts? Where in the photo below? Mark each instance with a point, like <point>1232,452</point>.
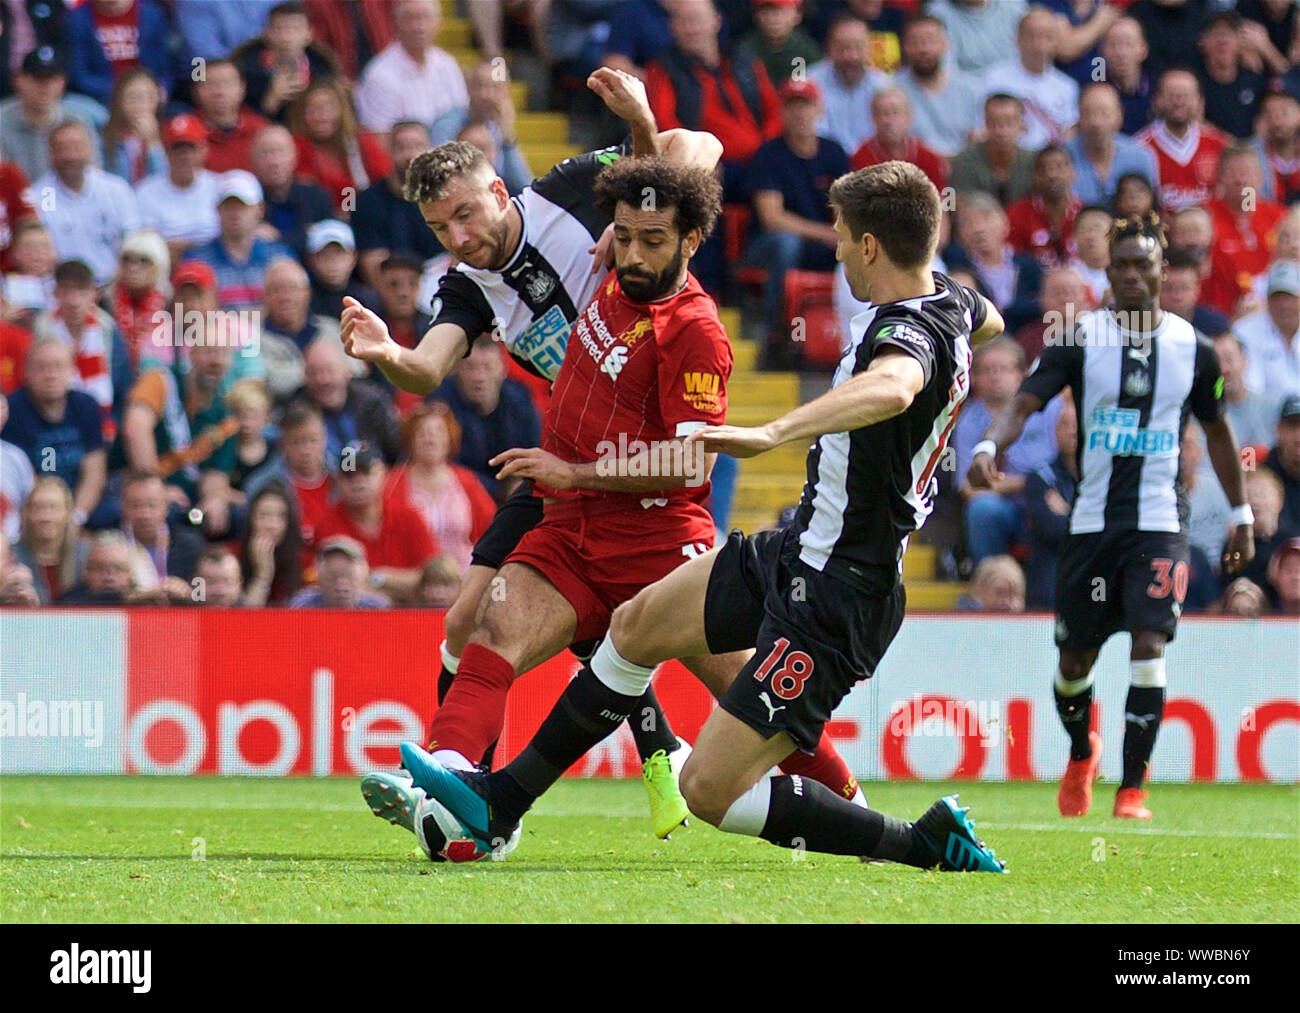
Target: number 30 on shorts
<point>788,680</point>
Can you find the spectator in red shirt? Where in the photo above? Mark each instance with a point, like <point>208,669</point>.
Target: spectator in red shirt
<point>1245,224</point>
<point>15,205</point>
<point>395,537</point>
<point>1192,229</point>
<point>332,150</point>
<point>219,102</point>
<point>699,85</point>
<point>892,114</point>
<point>1042,220</point>
<point>106,38</point>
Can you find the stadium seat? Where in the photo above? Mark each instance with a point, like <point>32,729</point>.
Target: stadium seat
<point>735,230</point>
<point>810,295</point>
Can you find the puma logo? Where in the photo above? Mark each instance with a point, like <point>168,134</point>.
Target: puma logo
<point>1143,721</point>
<point>771,711</point>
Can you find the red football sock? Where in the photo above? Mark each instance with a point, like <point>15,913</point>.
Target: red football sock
<point>825,766</point>
<point>474,711</point>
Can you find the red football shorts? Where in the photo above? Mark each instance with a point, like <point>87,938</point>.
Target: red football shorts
<point>599,555</point>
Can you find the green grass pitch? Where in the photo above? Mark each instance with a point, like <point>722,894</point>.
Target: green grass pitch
<point>208,849</point>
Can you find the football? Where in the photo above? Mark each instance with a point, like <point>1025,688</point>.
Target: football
<point>441,836</point>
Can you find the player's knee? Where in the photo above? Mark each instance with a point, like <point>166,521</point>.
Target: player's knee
<point>1148,645</point>
<point>624,625</point>
<point>706,796</point>
<point>1075,666</point>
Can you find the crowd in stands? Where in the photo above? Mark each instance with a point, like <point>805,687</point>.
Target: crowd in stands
<point>189,189</point>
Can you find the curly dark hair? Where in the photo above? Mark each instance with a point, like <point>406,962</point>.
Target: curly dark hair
<point>694,194</point>
<point>1148,225</point>
<point>430,171</point>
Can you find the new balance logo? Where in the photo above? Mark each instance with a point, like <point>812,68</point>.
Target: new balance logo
<point>767,702</point>
<point>614,361</point>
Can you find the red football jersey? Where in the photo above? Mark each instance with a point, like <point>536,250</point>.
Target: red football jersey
<point>1031,230</point>
<point>404,541</point>
<point>1245,240</point>
<point>638,372</point>
<point>15,205</point>
<point>314,503</point>
<point>1187,167</point>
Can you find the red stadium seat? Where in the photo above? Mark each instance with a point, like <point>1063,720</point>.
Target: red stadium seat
<point>810,297</point>
<point>735,230</point>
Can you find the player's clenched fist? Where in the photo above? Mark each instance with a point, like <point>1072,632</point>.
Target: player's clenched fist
<point>364,335</point>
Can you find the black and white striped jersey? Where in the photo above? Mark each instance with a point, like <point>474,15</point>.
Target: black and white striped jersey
<point>868,489</point>
<point>1132,395</point>
<point>531,303</point>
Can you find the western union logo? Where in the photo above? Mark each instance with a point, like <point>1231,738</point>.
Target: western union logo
<point>702,383</point>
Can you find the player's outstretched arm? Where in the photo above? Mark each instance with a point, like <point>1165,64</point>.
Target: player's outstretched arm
<point>665,465</point>
<point>993,325</point>
<point>625,96</point>
<point>885,389</point>
<point>1225,456</point>
<point>416,370</point>
<point>1003,431</point>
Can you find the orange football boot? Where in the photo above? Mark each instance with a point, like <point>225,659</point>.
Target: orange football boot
<point>1128,804</point>
<point>1075,795</point>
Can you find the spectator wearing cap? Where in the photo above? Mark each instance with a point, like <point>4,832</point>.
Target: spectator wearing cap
<point>59,427</point>
<point>177,425</point>
<point>385,222</point>
<point>846,84</point>
<point>1042,221</point>
<point>231,125</point>
<point>333,151</point>
<point>894,139</point>
<point>779,40</point>
<point>181,204</point>
<point>343,579</point>
<point>238,255</point>
<point>790,179</point>
<point>1100,153</point>
<point>411,79</point>
<point>138,296</point>
<point>700,85</point>
<point>1284,461</point>
<point>102,364</point>
<point>132,143</point>
<point>1232,91</point>
<point>396,540</point>
<point>218,579</point>
<point>39,105</point>
<point>291,203</point>
<point>945,101</point>
<point>351,409</point>
<point>997,165</point>
<point>1245,224</point>
<point>495,413</point>
<point>1284,577</point>
<point>283,60</point>
<point>1278,145</point>
<point>1050,97</point>
<point>106,38</point>
<point>982,31</point>
<point>491,108</point>
<point>1271,336</point>
<point>331,259</point>
<point>211,29</point>
<point>89,210</point>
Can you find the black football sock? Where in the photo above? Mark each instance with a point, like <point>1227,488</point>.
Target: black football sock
<point>650,726</point>
<point>1143,710</point>
<point>1076,715</point>
<point>585,714</point>
<point>809,816</point>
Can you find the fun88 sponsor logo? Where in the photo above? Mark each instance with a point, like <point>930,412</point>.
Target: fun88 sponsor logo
<point>1116,431</point>
<point>543,341</point>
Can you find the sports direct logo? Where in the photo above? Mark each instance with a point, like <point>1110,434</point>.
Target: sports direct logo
<point>670,459</point>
